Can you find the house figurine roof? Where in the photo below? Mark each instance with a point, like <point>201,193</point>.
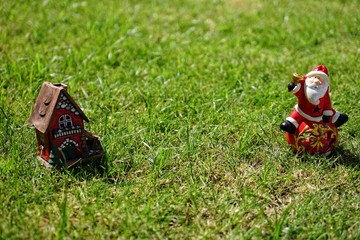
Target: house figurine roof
<point>45,105</point>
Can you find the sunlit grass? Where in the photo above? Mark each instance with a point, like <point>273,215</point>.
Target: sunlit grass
<point>187,97</point>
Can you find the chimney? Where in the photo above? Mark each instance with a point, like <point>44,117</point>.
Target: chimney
<point>60,85</point>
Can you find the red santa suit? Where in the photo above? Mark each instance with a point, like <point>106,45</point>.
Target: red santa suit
<point>307,112</point>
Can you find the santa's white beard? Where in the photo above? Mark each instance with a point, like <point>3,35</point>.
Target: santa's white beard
<point>314,94</point>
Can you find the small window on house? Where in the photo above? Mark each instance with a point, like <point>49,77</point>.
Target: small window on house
<point>65,121</point>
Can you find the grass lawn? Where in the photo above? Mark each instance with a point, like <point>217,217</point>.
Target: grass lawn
<point>187,97</point>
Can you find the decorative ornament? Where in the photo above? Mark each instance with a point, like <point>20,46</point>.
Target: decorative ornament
<point>312,125</point>
<point>59,124</point>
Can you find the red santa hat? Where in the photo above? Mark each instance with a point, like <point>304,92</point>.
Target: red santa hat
<point>321,71</point>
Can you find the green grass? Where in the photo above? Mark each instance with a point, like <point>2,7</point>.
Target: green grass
<point>187,97</point>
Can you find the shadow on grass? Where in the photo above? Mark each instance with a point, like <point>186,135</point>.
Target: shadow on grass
<point>345,157</point>
<point>104,168</point>
<point>89,170</point>
<point>339,156</point>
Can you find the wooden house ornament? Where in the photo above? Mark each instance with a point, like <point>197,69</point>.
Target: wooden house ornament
<point>59,124</point>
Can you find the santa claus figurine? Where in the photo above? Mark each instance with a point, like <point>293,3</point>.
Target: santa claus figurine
<point>313,120</point>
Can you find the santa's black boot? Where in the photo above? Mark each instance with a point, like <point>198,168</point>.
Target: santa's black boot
<point>343,118</point>
<point>287,126</point>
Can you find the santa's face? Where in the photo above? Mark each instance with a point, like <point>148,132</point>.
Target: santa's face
<point>315,88</point>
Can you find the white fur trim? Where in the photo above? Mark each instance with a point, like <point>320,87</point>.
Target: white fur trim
<point>318,73</point>
<point>293,121</point>
<point>296,88</point>
<point>308,117</point>
<point>328,112</point>
<point>335,117</point>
